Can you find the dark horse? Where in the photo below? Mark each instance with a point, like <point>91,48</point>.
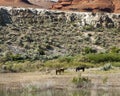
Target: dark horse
<point>80,68</point>
<point>61,70</point>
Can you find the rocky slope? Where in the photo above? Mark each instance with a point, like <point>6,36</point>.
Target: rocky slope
<point>39,33</point>
<point>89,5</point>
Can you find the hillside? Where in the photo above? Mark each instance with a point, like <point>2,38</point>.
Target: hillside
<point>38,34</point>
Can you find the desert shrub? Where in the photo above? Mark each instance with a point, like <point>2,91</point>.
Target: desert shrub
<point>88,28</point>
<point>88,50</point>
<point>100,29</point>
<point>81,82</point>
<point>9,56</point>
<point>103,57</point>
<point>114,30</point>
<point>114,50</point>
<point>105,79</point>
<point>107,67</point>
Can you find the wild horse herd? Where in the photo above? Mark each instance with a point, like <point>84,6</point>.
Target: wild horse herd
<point>61,70</point>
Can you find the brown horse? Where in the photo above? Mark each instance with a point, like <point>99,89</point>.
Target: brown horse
<point>61,70</point>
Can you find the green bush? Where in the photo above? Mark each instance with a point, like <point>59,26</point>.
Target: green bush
<point>103,57</point>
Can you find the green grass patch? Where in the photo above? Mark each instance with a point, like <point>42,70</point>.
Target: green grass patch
<point>116,64</point>
<point>67,62</point>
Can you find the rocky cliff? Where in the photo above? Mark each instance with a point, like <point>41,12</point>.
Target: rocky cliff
<point>89,5</point>
<point>39,33</point>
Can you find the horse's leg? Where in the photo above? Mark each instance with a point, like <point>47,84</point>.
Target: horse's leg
<point>56,72</point>
<point>76,70</point>
<point>83,69</point>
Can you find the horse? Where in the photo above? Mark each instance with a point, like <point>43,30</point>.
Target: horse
<point>80,68</point>
<point>61,70</point>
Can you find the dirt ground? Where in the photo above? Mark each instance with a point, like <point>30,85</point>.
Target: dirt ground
<point>44,80</point>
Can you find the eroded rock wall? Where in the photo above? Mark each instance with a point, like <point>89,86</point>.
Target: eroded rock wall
<point>89,5</point>
<point>39,33</point>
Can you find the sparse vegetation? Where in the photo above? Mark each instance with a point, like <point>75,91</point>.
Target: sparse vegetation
<point>81,82</point>
<point>54,41</point>
<point>105,79</point>
<point>88,28</point>
<point>23,66</point>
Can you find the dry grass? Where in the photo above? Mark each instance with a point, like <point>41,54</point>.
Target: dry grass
<point>42,80</point>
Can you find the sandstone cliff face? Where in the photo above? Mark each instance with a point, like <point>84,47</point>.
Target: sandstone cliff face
<point>117,6</point>
<point>89,5</point>
<point>16,3</point>
<point>39,33</point>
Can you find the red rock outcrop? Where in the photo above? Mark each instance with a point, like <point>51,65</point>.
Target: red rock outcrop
<point>74,5</point>
<point>88,5</point>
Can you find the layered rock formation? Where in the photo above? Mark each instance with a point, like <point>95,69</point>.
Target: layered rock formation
<point>40,33</point>
<point>88,5</point>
